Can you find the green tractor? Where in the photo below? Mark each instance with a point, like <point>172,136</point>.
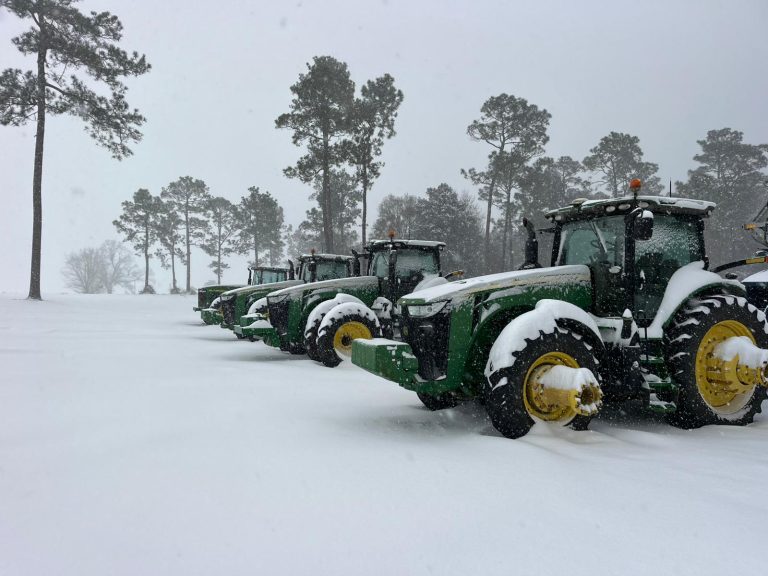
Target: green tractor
<point>323,319</point>
<point>627,312</point>
<point>206,297</point>
<point>235,305</point>
<point>209,298</point>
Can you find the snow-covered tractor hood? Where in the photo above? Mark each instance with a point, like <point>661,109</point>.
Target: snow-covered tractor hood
<point>520,279</point>
<point>328,285</point>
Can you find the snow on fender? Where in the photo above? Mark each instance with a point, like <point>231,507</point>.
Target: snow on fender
<point>323,308</point>
<point>543,318</point>
<point>260,304</point>
<point>348,309</point>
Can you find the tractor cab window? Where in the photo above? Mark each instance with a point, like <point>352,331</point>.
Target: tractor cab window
<point>413,261</point>
<point>591,242</point>
<point>327,270</point>
<point>270,276</point>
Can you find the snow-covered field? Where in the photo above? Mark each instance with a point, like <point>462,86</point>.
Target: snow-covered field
<point>135,441</point>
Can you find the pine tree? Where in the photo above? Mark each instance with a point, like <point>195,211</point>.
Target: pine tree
<point>259,221</point>
<point>373,121</point>
<point>218,240</point>
<point>64,40</point>
<point>320,117</point>
<point>616,160</point>
<point>188,197</point>
<point>138,223</point>
<point>517,132</point>
<point>730,174</point>
<point>168,228</point>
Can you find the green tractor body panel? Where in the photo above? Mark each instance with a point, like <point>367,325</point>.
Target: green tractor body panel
<point>629,263</point>
<point>311,268</point>
<point>240,297</point>
<point>468,316</point>
<point>290,308</point>
<point>395,267</point>
<point>206,295</point>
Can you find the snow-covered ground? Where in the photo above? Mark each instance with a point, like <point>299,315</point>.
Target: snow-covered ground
<point>135,441</point>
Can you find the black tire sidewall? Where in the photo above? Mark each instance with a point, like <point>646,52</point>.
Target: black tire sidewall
<point>505,404</point>
<point>325,351</point>
<point>692,410</point>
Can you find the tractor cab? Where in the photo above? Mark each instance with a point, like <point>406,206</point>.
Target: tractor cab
<point>632,246</point>
<point>258,275</point>
<point>318,267</point>
<point>400,265</point>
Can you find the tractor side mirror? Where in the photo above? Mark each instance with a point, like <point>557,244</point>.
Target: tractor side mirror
<point>643,225</point>
<point>531,247</point>
<point>355,263</point>
<point>291,271</point>
<point>250,276</point>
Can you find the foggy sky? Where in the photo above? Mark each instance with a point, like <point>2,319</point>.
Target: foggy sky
<point>664,71</point>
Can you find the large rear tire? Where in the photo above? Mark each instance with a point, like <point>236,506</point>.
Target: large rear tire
<point>696,330</point>
<point>511,393</point>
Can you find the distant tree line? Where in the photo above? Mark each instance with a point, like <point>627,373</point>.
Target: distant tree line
<point>186,214</point>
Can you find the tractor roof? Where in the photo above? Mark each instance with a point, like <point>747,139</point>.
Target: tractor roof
<point>401,243</point>
<point>582,209</point>
<point>334,257</point>
<point>269,268</point>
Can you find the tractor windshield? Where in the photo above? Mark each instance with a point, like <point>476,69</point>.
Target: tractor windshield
<point>599,243</point>
<point>326,270</point>
<point>592,241</point>
<point>270,276</point>
<point>410,262</point>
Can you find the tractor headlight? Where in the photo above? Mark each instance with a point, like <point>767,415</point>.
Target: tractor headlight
<point>425,310</point>
<point>227,297</point>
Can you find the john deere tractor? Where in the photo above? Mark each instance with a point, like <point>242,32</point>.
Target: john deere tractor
<point>207,295</point>
<point>234,304</point>
<point>323,319</point>
<point>627,312</point>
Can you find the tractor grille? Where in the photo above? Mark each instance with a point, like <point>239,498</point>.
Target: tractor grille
<point>201,299</point>
<point>228,311</point>
<point>278,315</point>
<point>428,338</point>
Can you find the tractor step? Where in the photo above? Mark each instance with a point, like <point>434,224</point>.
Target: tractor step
<point>660,406</point>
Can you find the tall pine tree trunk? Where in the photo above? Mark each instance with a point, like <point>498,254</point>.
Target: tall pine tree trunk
<point>365,201</point>
<point>173,269</point>
<point>327,209</point>
<point>146,255</point>
<point>189,263</point>
<point>37,178</point>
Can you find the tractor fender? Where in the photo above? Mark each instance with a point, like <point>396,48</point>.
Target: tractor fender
<point>259,304</point>
<point>687,282</point>
<point>347,308</point>
<point>547,316</point>
<point>325,306</point>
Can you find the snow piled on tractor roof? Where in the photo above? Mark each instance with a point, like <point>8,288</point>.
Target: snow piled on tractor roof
<point>668,203</point>
<point>556,275</point>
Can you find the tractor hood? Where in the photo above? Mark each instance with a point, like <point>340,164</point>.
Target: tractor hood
<point>266,287</point>
<point>333,285</point>
<point>520,279</point>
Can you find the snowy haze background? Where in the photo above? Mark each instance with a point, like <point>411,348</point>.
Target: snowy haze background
<point>666,72</point>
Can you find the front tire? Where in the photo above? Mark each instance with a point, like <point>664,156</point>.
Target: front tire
<point>436,402</point>
<point>511,395</point>
<point>341,326</point>
<point>696,330</point>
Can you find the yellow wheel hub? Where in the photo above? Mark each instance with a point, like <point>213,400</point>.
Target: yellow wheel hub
<point>543,402</point>
<point>347,332</point>
<point>725,386</point>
